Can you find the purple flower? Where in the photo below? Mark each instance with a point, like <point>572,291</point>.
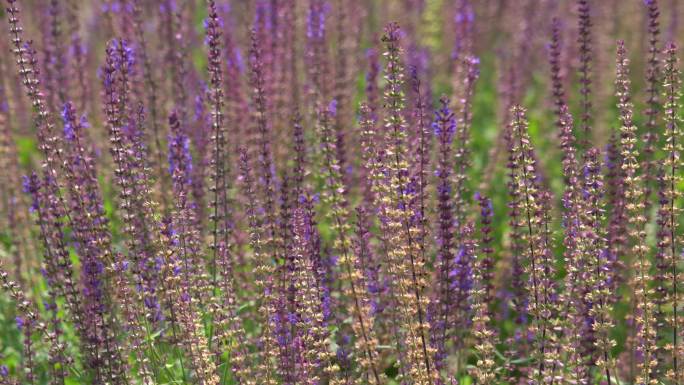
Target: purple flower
<point>332,108</point>
<point>180,159</point>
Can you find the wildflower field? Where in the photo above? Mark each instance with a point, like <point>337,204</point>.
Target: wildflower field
<point>341,192</point>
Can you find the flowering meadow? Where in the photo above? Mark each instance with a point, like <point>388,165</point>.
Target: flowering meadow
<point>342,192</point>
